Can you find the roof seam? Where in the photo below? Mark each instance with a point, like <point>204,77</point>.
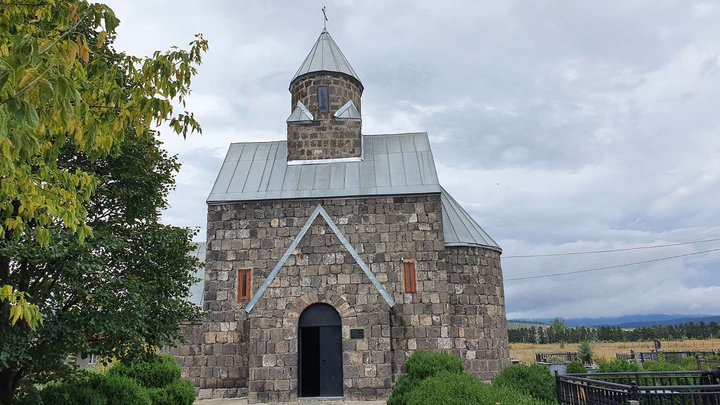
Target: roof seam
<point>227,189</point>
<point>262,175</point>
<point>249,168</point>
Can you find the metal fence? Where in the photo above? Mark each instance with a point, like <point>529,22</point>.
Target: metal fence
<point>649,388</point>
<point>668,356</point>
<point>708,364</point>
<point>562,356</point>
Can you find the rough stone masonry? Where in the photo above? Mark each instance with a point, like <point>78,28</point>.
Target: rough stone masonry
<point>399,260</point>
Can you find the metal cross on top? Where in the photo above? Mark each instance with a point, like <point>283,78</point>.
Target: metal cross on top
<point>324,18</point>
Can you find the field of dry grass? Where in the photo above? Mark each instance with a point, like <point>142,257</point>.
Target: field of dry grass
<point>525,352</point>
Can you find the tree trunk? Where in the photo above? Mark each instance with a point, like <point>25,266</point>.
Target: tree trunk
<point>4,269</point>
<point>9,381</point>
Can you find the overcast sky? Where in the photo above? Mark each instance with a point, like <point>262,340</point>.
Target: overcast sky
<point>561,126</point>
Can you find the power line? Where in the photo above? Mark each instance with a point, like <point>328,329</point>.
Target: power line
<point>618,276</point>
<point>611,250</point>
<point>611,267</point>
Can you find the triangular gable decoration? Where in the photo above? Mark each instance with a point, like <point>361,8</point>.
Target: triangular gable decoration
<point>319,210</point>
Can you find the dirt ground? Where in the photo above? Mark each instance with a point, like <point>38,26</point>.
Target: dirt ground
<point>525,352</point>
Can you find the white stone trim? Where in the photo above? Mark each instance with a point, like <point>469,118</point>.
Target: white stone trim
<point>321,161</point>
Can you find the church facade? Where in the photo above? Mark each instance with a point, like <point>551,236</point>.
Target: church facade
<point>333,255</point>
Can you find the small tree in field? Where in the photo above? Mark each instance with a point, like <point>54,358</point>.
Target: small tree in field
<point>585,352</point>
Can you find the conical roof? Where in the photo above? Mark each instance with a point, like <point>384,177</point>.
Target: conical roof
<point>325,56</point>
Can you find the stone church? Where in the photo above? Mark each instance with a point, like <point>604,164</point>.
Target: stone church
<point>333,255</point>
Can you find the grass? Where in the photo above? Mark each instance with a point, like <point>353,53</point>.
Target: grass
<point>525,352</point>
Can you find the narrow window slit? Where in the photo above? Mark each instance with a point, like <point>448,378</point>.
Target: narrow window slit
<point>244,285</point>
<point>409,276</point>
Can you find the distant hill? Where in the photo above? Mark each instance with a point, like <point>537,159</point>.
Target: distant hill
<point>525,324</point>
<point>633,321</point>
<point>667,322</point>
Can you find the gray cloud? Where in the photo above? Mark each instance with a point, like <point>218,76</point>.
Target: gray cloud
<point>560,126</point>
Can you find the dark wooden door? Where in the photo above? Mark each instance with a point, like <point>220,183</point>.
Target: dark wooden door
<point>320,352</point>
<point>331,384</point>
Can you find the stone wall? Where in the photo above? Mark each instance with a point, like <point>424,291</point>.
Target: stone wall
<point>330,139</point>
<point>326,137</point>
<point>476,317</point>
<point>341,88</point>
<point>213,355</point>
<point>384,231</point>
<point>458,305</point>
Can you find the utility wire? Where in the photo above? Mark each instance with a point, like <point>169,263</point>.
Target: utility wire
<point>611,267</point>
<point>611,250</point>
<point>618,276</point>
<point>596,260</point>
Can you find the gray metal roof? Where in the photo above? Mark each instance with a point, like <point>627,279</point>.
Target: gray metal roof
<point>325,56</point>
<point>300,114</point>
<point>391,165</point>
<point>460,229</point>
<point>197,290</point>
<point>348,112</point>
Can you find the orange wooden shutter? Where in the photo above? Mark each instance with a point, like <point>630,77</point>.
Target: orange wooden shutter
<point>409,276</point>
<point>244,287</point>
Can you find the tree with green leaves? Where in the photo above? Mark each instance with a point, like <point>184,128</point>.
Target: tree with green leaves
<point>120,293</point>
<point>585,352</point>
<point>557,330</point>
<point>85,265</point>
<point>61,88</point>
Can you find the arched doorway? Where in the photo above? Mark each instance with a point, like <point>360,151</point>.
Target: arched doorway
<point>320,352</point>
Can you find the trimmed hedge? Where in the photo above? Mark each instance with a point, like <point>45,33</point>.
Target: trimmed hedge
<point>617,366</point>
<point>576,367</point>
<point>71,394</point>
<point>156,382</point>
<point>422,365</point>
<point>449,388</point>
<point>181,392</point>
<point>156,373</point>
<point>534,380</point>
<point>403,387</point>
<point>686,364</point>
<point>120,390</point>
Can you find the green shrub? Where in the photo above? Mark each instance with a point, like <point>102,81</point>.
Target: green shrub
<point>662,365</point>
<point>157,373</point>
<point>689,363</point>
<point>576,367</point>
<point>403,386</point>
<point>424,364</point>
<point>72,393</point>
<point>450,388</point>
<point>181,392</point>
<point>585,352</point>
<point>617,366</point>
<point>120,390</point>
<point>534,380</point>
